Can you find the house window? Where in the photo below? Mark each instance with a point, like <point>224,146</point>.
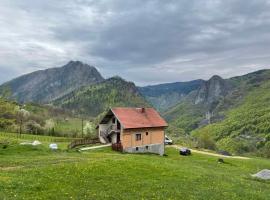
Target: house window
<point>146,147</point>
<point>113,120</point>
<point>138,136</point>
<point>146,133</point>
<point>137,148</point>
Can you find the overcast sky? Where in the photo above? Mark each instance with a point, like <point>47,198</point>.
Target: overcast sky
<point>145,41</point>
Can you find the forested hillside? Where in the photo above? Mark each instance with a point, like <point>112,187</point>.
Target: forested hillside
<point>230,114</point>
<point>245,128</point>
<point>95,99</point>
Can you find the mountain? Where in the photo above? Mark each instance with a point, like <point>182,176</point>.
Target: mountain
<point>95,99</point>
<point>212,90</point>
<point>245,127</point>
<point>215,96</point>
<point>232,112</point>
<point>47,85</point>
<point>164,96</point>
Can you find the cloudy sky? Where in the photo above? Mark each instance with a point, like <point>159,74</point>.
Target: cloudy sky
<point>145,41</point>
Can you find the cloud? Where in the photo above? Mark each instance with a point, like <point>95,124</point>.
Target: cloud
<point>146,41</point>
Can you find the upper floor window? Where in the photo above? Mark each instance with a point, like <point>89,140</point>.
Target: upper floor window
<point>138,136</point>
<point>113,120</point>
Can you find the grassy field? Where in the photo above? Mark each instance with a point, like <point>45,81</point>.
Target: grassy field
<point>28,172</point>
<point>15,138</point>
<point>73,125</point>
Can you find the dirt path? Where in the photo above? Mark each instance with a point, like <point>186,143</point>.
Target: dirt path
<point>212,154</point>
<point>94,147</point>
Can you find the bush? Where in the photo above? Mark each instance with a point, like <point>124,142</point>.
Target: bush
<point>89,130</point>
<point>267,149</point>
<point>205,141</point>
<point>237,145</point>
<point>33,127</point>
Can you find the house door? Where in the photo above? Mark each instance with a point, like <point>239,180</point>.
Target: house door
<point>118,138</point>
<point>118,125</point>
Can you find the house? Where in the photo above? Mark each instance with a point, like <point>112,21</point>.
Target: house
<point>133,130</point>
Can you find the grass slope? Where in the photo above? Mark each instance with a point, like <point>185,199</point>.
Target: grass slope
<point>37,173</point>
<point>15,139</point>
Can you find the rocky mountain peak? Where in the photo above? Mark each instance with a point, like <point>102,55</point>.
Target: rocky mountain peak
<point>212,90</point>
<point>46,85</point>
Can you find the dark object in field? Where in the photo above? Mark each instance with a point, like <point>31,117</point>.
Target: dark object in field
<point>220,160</point>
<point>4,145</point>
<point>165,155</point>
<point>184,152</point>
<point>224,153</point>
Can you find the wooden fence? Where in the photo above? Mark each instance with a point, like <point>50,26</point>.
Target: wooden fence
<point>83,141</point>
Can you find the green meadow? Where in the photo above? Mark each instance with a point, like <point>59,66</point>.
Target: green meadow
<point>35,172</point>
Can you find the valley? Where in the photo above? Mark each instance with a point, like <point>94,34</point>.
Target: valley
<point>201,113</point>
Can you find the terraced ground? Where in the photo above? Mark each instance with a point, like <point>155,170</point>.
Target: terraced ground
<point>28,172</point>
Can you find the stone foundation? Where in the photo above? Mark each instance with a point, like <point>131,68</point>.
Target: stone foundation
<point>150,148</point>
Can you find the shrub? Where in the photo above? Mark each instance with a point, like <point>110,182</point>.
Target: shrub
<point>33,127</point>
<point>205,141</point>
<point>89,130</point>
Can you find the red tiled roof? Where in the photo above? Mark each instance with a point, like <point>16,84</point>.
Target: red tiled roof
<point>136,118</point>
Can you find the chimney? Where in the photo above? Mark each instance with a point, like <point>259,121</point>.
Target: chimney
<point>143,110</point>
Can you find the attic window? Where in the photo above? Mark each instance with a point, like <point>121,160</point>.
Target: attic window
<point>138,136</point>
<point>146,133</point>
<point>113,120</point>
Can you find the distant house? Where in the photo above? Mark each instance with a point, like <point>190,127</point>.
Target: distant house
<point>133,130</point>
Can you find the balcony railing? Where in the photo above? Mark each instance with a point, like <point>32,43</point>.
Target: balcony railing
<point>112,127</point>
<point>108,131</point>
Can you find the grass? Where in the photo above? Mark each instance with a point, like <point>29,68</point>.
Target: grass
<point>14,138</point>
<point>28,172</point>
<point>72,125</point>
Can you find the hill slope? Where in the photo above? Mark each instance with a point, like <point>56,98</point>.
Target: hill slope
<point>232,112</point>
<point>95,99</point>
<point>246,128</point>
<point>82,175</point>
<point>46,85</point>
<point>213,98</point>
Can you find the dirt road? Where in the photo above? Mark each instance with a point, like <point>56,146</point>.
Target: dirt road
<point>212,154</point>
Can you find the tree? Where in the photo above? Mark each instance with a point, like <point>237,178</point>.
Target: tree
<point>205,141</point>
<point>33,127</point>
<point>49,126</point>
<point>22,115</point>
<point>89,130</point>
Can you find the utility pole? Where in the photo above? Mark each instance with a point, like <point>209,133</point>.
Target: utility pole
<point>21,120</point>
<point>82,127</point>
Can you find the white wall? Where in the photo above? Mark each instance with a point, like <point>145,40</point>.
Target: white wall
<point>104,127</point>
